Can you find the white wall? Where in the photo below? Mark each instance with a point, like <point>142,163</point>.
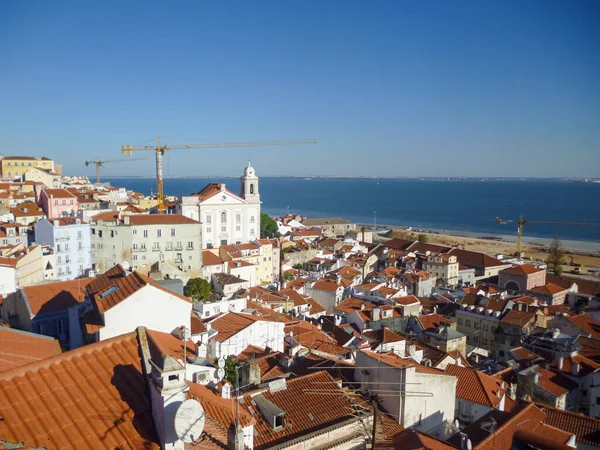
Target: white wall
<point>210,309</point>
<point>261,333</point>
<point>8,280</point>
<point>148,307</point>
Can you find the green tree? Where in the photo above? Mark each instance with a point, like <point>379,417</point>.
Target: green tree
<point>230,363</point>
<point>422,238</point>
<point>288,276</point>
<point>268,227</point>
<point>556,256</point>
<point>197,289</point>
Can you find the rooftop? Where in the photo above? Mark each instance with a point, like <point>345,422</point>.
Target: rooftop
<point>18,348</point>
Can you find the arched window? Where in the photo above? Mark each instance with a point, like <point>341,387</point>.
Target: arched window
<point>251,189</point>
<point>223,217</point>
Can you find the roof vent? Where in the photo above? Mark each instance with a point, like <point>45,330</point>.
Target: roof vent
<point>272,413</point>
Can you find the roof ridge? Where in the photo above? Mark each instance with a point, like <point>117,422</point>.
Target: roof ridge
<point>508,423</point>
<point>47,362</point>
<point>564,411</point>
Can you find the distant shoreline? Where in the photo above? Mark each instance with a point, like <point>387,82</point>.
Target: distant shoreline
<point>323,177</point>
<point>587,247</point>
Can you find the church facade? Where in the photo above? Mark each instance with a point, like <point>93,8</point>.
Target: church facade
<point>225,217</point>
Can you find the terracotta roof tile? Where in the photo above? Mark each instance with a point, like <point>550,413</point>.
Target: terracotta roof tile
<point>518,318</point>
<point>18,348</point>
<point>522,269</point>
<point>210,259</point>
<point>304,411</point>
<point>92,397</point>
<point>415,440</point>
<point>586,429</point>
<point>553,382</point>
<point>57,296</point>
<point>549,288</point>
<point>230,324</point>
<point>587,324</point>
<point>211,190</point>
<point>58,193</point>
<point>432,321</point>
<point>160,219</point>
<point>475,386</point>
<point>196,325</point>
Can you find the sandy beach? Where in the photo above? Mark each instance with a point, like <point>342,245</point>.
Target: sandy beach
<point>585,253</point>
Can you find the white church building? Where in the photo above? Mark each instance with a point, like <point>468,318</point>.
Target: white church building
<point>226,218</point>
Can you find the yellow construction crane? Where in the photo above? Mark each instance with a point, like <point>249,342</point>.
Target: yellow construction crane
<point>99,164</point>
<point>520,222</point>
<point>161,149</point>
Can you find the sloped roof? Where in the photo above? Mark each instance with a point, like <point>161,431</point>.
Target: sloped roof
<point>587,324</point>
<point>552,382</point>
<point>475,259</point>
<point>416,440</point>
<point>92,397</point>
<point>518,318</point>
<point>475,386</point>
<point>586,429</point>
<point>18,348</point>
<point>160,219</point>
<point>304,411</point>
<point>432,321</point>
<point>522,269</point>
<point>56,296</point>
<point>230,324</point>
<point>59,193</point>
<point>212,189</point>
<point>549,288</point>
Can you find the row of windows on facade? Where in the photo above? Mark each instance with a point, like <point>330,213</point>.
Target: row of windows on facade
<point>8,163</point>
<point>64,248</point>
<point>156,247</point>
<point>56,202</point>
<point>67,236</point>
<point>477,325</point>
<point>224,229</point>
<point>145,232</point>
<point>238,218</point>
<point>161,258</point>
<point>67,260</point>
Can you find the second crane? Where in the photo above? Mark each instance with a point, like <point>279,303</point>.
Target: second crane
<point>99,164</point>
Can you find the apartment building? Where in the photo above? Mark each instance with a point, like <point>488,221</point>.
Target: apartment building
<point>262,253</point>
<point>15,166</point>
<point>443,267</point>
<point>58,203</point>
<point>71,240</point>
<point>138,241</point>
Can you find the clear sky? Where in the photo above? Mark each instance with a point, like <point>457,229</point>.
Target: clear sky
<point>388,88</point>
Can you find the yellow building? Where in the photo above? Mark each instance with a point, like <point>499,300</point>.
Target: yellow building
<point>15,166</point>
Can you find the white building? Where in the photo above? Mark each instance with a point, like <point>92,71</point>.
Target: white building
<point>140,240</point>
<point>231,333</point>
<point>117,303</point>
<point>71,240</point>
<point>420,397</point>
<point>226,218</point>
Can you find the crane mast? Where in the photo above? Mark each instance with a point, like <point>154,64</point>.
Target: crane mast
<point>99,164</point>
<point>160,150</point>
<point>521,222</point>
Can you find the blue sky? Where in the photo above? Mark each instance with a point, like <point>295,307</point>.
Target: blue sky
<point>388,88</point>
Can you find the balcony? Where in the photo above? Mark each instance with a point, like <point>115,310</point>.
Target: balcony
<point>62,238</point>
<point>156,249</point>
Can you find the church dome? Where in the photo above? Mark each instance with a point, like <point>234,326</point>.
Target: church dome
<point>249,171</point>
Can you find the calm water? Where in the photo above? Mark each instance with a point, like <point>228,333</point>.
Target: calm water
<point>449,205</point>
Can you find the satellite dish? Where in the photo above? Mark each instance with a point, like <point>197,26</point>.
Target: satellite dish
<point>220,374</point>
<point>189,421</point>
<point>221,363</point>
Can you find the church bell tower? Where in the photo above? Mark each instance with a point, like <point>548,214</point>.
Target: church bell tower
<point>249,185</point>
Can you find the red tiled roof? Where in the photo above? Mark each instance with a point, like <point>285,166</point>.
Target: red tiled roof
<point>59,193</point>
<point>586,429</point>
<point>325,284</point>
<point>211,190</point>
<point>107,216</point>
<point>587,324</point>
<point>170,345</point>
<point>518,318</point>
<point>304,411</point>
<point>92,397</point>
<point>414,440</point>
<point>523,353</point>
<point>432,321</point>
<point>549,288</point>
<point>18,348</point>
<point>586,366</point>
<point>230,324</point>
<point>57,296</point>
<point>210,259</point>
<point>196,325</point>
<point>554,383</point>
<point>475,259</point>
<point>475,386</point>
<point>160,219</point>
<point>522,269</point>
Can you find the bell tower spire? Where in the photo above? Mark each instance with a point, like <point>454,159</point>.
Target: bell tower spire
<point>249,185</point>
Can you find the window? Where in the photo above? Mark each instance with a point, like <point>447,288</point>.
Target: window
<point>71,202</point>
<point>238,218</point>
<point>223,241</point>
<point>208,229</point>
<point>208,219</point>
<point>172,231</point>
<point>179,246</point>
<point>161,257</point>
<point>41,328</point>
<point>55,201</point>
<point>145,233</point>
<point>64,202</point>
<point>224,229</point>
<point>79,246</point>
<point>159,233</point>
<point>93,231</point>
<point>62,326</point>
<point>134,231</point>
<point>251,219</point>
<point>584,392</point>
<point>251,188</point>
<point>156,247</point>
<point>190,245</point>
<point>135,257</point>
<point>251,231</point>
<point>223,217</point>
<point>99,233</point>
<point>238,228</point>
<point>178,258</point>
<point>467,323</point>
<point>134,246</point>
<point>476,325</point>
<point>169,246</point>
<point>143,247</point>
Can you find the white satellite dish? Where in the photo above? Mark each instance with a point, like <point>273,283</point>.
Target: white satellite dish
<point>189,421</point>
<point>221,363</point>
<point>220,374</point>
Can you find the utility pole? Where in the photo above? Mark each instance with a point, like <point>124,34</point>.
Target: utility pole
<point>374,402</point>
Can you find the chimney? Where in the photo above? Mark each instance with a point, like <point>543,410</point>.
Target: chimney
<point>560,363</point>
<point>575,369</point>
<point>223,189</point>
